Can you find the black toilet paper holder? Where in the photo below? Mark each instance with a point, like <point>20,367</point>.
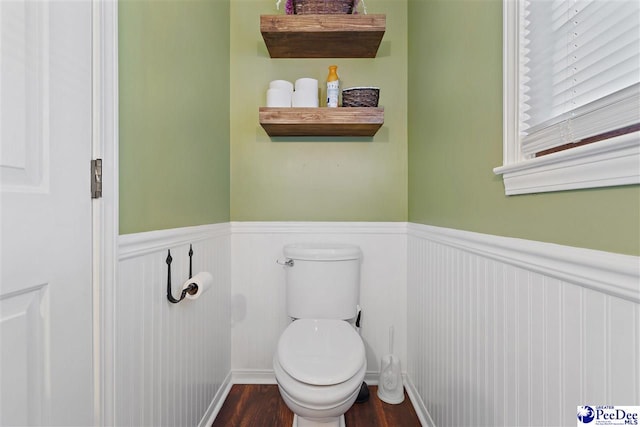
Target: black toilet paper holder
<point>192,289</point>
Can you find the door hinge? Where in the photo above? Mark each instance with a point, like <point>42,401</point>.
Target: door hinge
<point>96,178</point>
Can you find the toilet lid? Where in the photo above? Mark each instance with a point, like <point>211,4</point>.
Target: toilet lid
<point>321,351</point>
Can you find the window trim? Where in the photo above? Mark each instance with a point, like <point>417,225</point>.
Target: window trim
<point>612,162</point>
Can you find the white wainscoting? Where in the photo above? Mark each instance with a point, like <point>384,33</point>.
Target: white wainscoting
<point>512,332</point>
<point>172,361</point>
<point>258,295</point>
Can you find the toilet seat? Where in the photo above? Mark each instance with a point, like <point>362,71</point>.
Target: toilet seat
<point>321,351</point>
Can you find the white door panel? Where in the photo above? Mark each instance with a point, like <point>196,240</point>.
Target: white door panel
<point>46,375</point>
<point>25,104</point>
<point>22,361</point>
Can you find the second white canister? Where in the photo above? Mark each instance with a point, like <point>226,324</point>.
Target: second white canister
<point>305,98</point>
<point>306,83</point>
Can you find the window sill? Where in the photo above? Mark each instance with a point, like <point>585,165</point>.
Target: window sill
<point>613,162</point>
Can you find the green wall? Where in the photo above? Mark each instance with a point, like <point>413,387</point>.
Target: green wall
<point>174,113</point>
<point>317,179</point>
<point>193,74</point>
<point>455,140</point>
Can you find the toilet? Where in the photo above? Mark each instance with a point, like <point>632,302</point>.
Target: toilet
<point>320,360</point>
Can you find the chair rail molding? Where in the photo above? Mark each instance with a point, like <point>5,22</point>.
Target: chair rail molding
<point>139,244</point>
<point>613,274</point>
<point>324,227</point>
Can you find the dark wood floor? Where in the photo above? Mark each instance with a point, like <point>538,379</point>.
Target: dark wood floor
<point>261,406</point>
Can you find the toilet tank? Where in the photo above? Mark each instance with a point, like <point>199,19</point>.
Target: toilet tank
<point>323,281</point>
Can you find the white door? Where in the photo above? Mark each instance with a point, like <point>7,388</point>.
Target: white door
<point>46,372</point>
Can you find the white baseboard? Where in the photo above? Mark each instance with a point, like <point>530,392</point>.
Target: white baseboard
<point>265,376</point>
<point>371,377</point>
<point>253,376</point>
<point>418,404</point>
<point>217,402</point>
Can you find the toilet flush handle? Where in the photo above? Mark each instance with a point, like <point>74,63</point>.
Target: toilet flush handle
<point>287,262</point>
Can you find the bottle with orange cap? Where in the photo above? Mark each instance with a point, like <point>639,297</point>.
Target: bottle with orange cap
<point>333,86</point>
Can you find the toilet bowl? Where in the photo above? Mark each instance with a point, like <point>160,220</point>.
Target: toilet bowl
<point>319,365</point>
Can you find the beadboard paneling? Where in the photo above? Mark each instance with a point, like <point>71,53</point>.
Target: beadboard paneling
<point>171,359</point>
<point>511,332</point>
<point>259,315</point>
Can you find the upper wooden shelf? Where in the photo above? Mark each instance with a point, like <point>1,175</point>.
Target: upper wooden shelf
<point>322,36</point>
<point>342,121</point>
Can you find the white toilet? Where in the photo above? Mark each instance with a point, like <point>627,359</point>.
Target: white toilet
<point>320,359</point>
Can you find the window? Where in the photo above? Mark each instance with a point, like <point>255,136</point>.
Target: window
<point>571,94</point>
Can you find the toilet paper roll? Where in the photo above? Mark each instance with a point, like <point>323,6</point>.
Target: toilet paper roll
<point>202,280</point>
<point>305,98</point>
<point>306,83</point>
<point>281,84</point>
<point>278,98</point>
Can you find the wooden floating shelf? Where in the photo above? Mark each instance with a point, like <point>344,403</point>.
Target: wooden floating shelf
<point>343,121</point>
<point>322,36</point>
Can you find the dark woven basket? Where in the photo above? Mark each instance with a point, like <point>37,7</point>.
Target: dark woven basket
<point>360,97</point>
<point>322,7</point>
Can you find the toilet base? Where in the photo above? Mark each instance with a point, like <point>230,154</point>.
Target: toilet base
<point>303,422</point>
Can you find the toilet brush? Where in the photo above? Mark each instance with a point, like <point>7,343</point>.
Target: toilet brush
<point>390,389</point>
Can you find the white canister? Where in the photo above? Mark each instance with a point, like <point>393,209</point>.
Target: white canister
<point>305,98</point>
<point>306,83</point>
<point>281,84</point>
<point>278,98</point>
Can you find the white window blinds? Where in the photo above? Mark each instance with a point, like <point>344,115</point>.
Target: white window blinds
<point>579,70</point>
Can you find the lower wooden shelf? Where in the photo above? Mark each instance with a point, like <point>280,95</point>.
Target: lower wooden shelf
<point>342,121</point>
